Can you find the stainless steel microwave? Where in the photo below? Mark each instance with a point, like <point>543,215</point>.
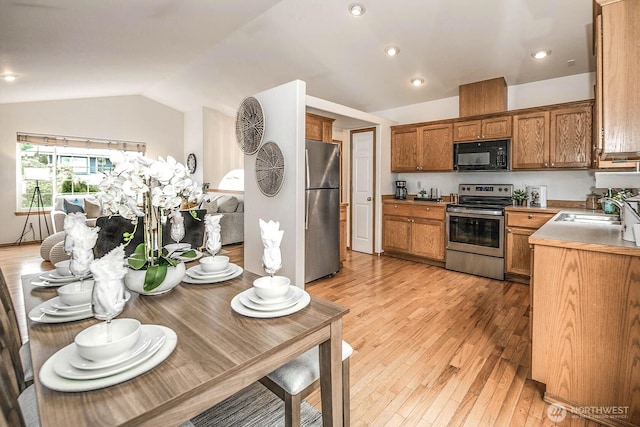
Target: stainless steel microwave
<point>481,155</point>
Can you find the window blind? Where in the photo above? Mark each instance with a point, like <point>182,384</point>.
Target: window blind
<point>72,141</point>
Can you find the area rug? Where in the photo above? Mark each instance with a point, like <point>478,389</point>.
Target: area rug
<point>255,406</point>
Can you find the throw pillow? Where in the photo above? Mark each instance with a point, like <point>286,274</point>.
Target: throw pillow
<point>72,206</point>
<point>92,209</point>
<point>210,205</point>
<point>227,204</point>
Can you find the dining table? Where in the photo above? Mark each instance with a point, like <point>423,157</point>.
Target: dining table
<point>218,353</point>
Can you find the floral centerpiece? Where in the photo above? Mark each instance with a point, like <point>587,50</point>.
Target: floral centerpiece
<point>141,187</point>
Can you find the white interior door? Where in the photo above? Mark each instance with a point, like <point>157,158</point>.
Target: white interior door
<point>362,190</point>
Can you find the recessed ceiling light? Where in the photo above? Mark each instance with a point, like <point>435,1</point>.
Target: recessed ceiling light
<point>392,50</point>
<point>417,81</point>
<point>9,77</point>
<point>541,54</point>
<point>357,9</point>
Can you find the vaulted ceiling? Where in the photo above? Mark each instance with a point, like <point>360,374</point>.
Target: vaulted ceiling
<point>193,53</point>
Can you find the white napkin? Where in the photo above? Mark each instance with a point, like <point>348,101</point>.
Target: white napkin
<point>177,225</point>
<point>212,227</point>
<point>79,242</point>
<point>271,238</point>
<point>108,288</point>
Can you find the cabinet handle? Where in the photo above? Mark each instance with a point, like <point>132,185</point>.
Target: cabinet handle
<point>553,164</point>
<point>408,219</point>
<point>508,230</point>
<point>546,165</point>
<point>530,216</point>
<point>428,209</point>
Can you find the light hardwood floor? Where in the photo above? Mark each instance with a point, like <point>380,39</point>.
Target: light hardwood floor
<point>431,347</point>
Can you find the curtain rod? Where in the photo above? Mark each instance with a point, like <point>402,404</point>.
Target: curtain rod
<point>74,141</point>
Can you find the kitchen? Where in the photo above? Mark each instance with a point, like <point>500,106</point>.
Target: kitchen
<point>570,265</point>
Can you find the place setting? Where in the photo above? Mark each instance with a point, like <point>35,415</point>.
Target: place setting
<point>271,296</point>
<point>112,351</point>
<point>62,275</point>
<point>183,252</point>
<point>212,269</point>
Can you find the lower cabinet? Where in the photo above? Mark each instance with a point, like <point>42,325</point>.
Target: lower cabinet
<point>414,229</point>
<point>520,225</point>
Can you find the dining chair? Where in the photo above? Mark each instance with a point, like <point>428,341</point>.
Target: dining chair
<point>296,379</point>
<point>18,405</point>
<point>193,227</point>
<point>20,353</point>
<point>112,233</point>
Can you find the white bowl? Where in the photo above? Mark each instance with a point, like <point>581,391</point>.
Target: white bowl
<point>92,344</point>
<point>62,268</point>
<point>76,293</point>
<point>270,288</point>
<point>213,264</point>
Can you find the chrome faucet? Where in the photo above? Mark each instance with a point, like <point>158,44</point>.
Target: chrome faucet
<point>620,206</point>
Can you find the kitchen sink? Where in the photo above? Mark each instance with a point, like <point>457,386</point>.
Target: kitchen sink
<point>590,218</point>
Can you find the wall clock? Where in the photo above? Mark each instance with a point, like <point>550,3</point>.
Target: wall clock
<point>270,168</point>
<point>191,162</point>
<point>249,125</point>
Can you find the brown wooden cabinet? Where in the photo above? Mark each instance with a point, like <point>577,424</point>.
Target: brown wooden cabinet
<point>556,138</point>
<point>414,229</point>
<point>422,148</point>
<point>343,232</point>
<point>473,130</point>
<point>585,334</point>
<point>519,226</point>
<point>618,78</point>
<point>319,128</point>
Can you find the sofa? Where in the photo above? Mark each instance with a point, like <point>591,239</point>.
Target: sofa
<point>64,205</point>
<point>231,206</point>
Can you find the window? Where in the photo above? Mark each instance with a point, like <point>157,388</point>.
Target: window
<point>61,166</point>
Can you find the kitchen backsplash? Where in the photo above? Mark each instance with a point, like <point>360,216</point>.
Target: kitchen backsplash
<point>561,185</point>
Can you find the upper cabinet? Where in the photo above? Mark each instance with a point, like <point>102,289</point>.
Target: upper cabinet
<point>319,128</point>
<point>485,97</point>
<point>422,148</point>
<point>556,138</point>
<point>618,79</point>
<point>473,130</point>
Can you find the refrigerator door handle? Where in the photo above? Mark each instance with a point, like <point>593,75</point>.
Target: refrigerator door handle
<point>306,212</point>
<point>306,164</point>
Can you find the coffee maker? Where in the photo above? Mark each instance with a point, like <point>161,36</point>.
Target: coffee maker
<point>401,190</point>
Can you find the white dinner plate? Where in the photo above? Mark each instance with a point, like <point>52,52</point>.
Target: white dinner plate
<point>54,277</point>
<point>54,381</point>
<point>291,293</point>
<point>141,345</point>
<point>62,365</point>
<point>62,306</point>
<point>197,272</point>
<point>52,311</point>
<point>37,315</point>
<point>247,302</point>
<point>239,308</point>
<point>193,281</point>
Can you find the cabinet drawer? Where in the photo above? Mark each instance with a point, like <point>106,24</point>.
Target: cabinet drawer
<point>429,212</point>
<point>396,209</point>
<point>527,220</point>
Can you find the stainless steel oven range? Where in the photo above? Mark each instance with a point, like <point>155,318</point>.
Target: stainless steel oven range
<point>475,229</point>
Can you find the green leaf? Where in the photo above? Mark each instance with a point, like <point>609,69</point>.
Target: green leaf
<point>138,258</point>
<point>194,214</point>
<point>189,254</point>
<point>154,277</point>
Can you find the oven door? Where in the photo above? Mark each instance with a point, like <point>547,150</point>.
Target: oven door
<point>476,232</point>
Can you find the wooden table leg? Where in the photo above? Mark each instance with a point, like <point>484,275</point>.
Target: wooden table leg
<point>331,377</point>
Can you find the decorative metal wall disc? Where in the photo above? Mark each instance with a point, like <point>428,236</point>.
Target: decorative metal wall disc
<point>249,125</point>
<point>270,168</point>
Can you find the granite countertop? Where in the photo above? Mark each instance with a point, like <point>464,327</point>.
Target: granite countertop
<point>591,237</point>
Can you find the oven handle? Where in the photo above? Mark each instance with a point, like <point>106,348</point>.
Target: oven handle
<point>489,212</point>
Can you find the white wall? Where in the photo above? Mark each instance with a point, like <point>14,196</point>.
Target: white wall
<point>284,115</point>
<point>561,185</point>
<point>221,152</point>
<point>193,137</point>
<point>132,118</point>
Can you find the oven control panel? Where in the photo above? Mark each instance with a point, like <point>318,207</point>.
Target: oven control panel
<point>486,190</point>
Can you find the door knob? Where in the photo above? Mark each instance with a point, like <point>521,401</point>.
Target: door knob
<point>368,199</point>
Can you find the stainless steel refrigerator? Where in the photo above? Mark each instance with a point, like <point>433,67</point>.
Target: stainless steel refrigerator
<point>322,210</point>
